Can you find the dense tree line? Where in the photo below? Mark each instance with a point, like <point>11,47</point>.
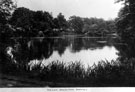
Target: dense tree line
<point>92,26</point>
<point>23,22</point>
<point>32,23</point>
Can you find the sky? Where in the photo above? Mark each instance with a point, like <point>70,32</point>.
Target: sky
<point>106,9</point>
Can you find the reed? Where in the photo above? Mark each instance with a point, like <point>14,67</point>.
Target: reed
<point>105,73</point>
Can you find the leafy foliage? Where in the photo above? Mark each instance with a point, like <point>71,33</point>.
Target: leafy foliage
<point>126,20</point>
<point>76,23</point>
<point>92,26</point>
<point>6,7</point>
<point>60,22</point>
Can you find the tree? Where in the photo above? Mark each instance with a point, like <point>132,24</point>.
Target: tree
<point>43,20</point>
<point>76,23</point>
<point>33,22</point>
<point>126,20</point>
<point>60,22</point>
<point>22,18</point>
<point>6,8</point>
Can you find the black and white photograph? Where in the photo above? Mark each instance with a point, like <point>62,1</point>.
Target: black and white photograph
<point>67,44</point>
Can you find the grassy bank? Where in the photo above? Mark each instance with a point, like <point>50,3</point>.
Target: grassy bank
<point>114,73</point>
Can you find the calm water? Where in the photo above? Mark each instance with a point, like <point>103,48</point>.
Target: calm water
<point>87,50</point>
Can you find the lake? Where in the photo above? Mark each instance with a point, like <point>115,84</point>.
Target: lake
<point>87,50</point>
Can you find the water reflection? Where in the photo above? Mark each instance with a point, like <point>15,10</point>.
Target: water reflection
<point>66,49</point>
<point>126,50</point>
<point>87,57</point>
<point>40,48</point>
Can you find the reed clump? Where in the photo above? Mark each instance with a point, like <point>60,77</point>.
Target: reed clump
<point>105,73</point>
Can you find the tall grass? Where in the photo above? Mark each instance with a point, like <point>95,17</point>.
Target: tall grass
<point>105,73</point>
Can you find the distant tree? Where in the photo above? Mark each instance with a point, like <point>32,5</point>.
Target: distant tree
<point>60,22</point>
<point>111,26</point>
<point>56,23</point>
<point>43,20</point>
<point>22,18</point>
<point>32,22</point>
<point>86,28</point>
<point>76,23</point>
<point>92,26</point>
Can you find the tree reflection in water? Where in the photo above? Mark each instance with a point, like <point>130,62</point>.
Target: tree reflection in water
<point>126,50</point>
<point>28,49</point>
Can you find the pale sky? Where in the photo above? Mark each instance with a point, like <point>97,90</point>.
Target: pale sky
<point>106,9</point>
